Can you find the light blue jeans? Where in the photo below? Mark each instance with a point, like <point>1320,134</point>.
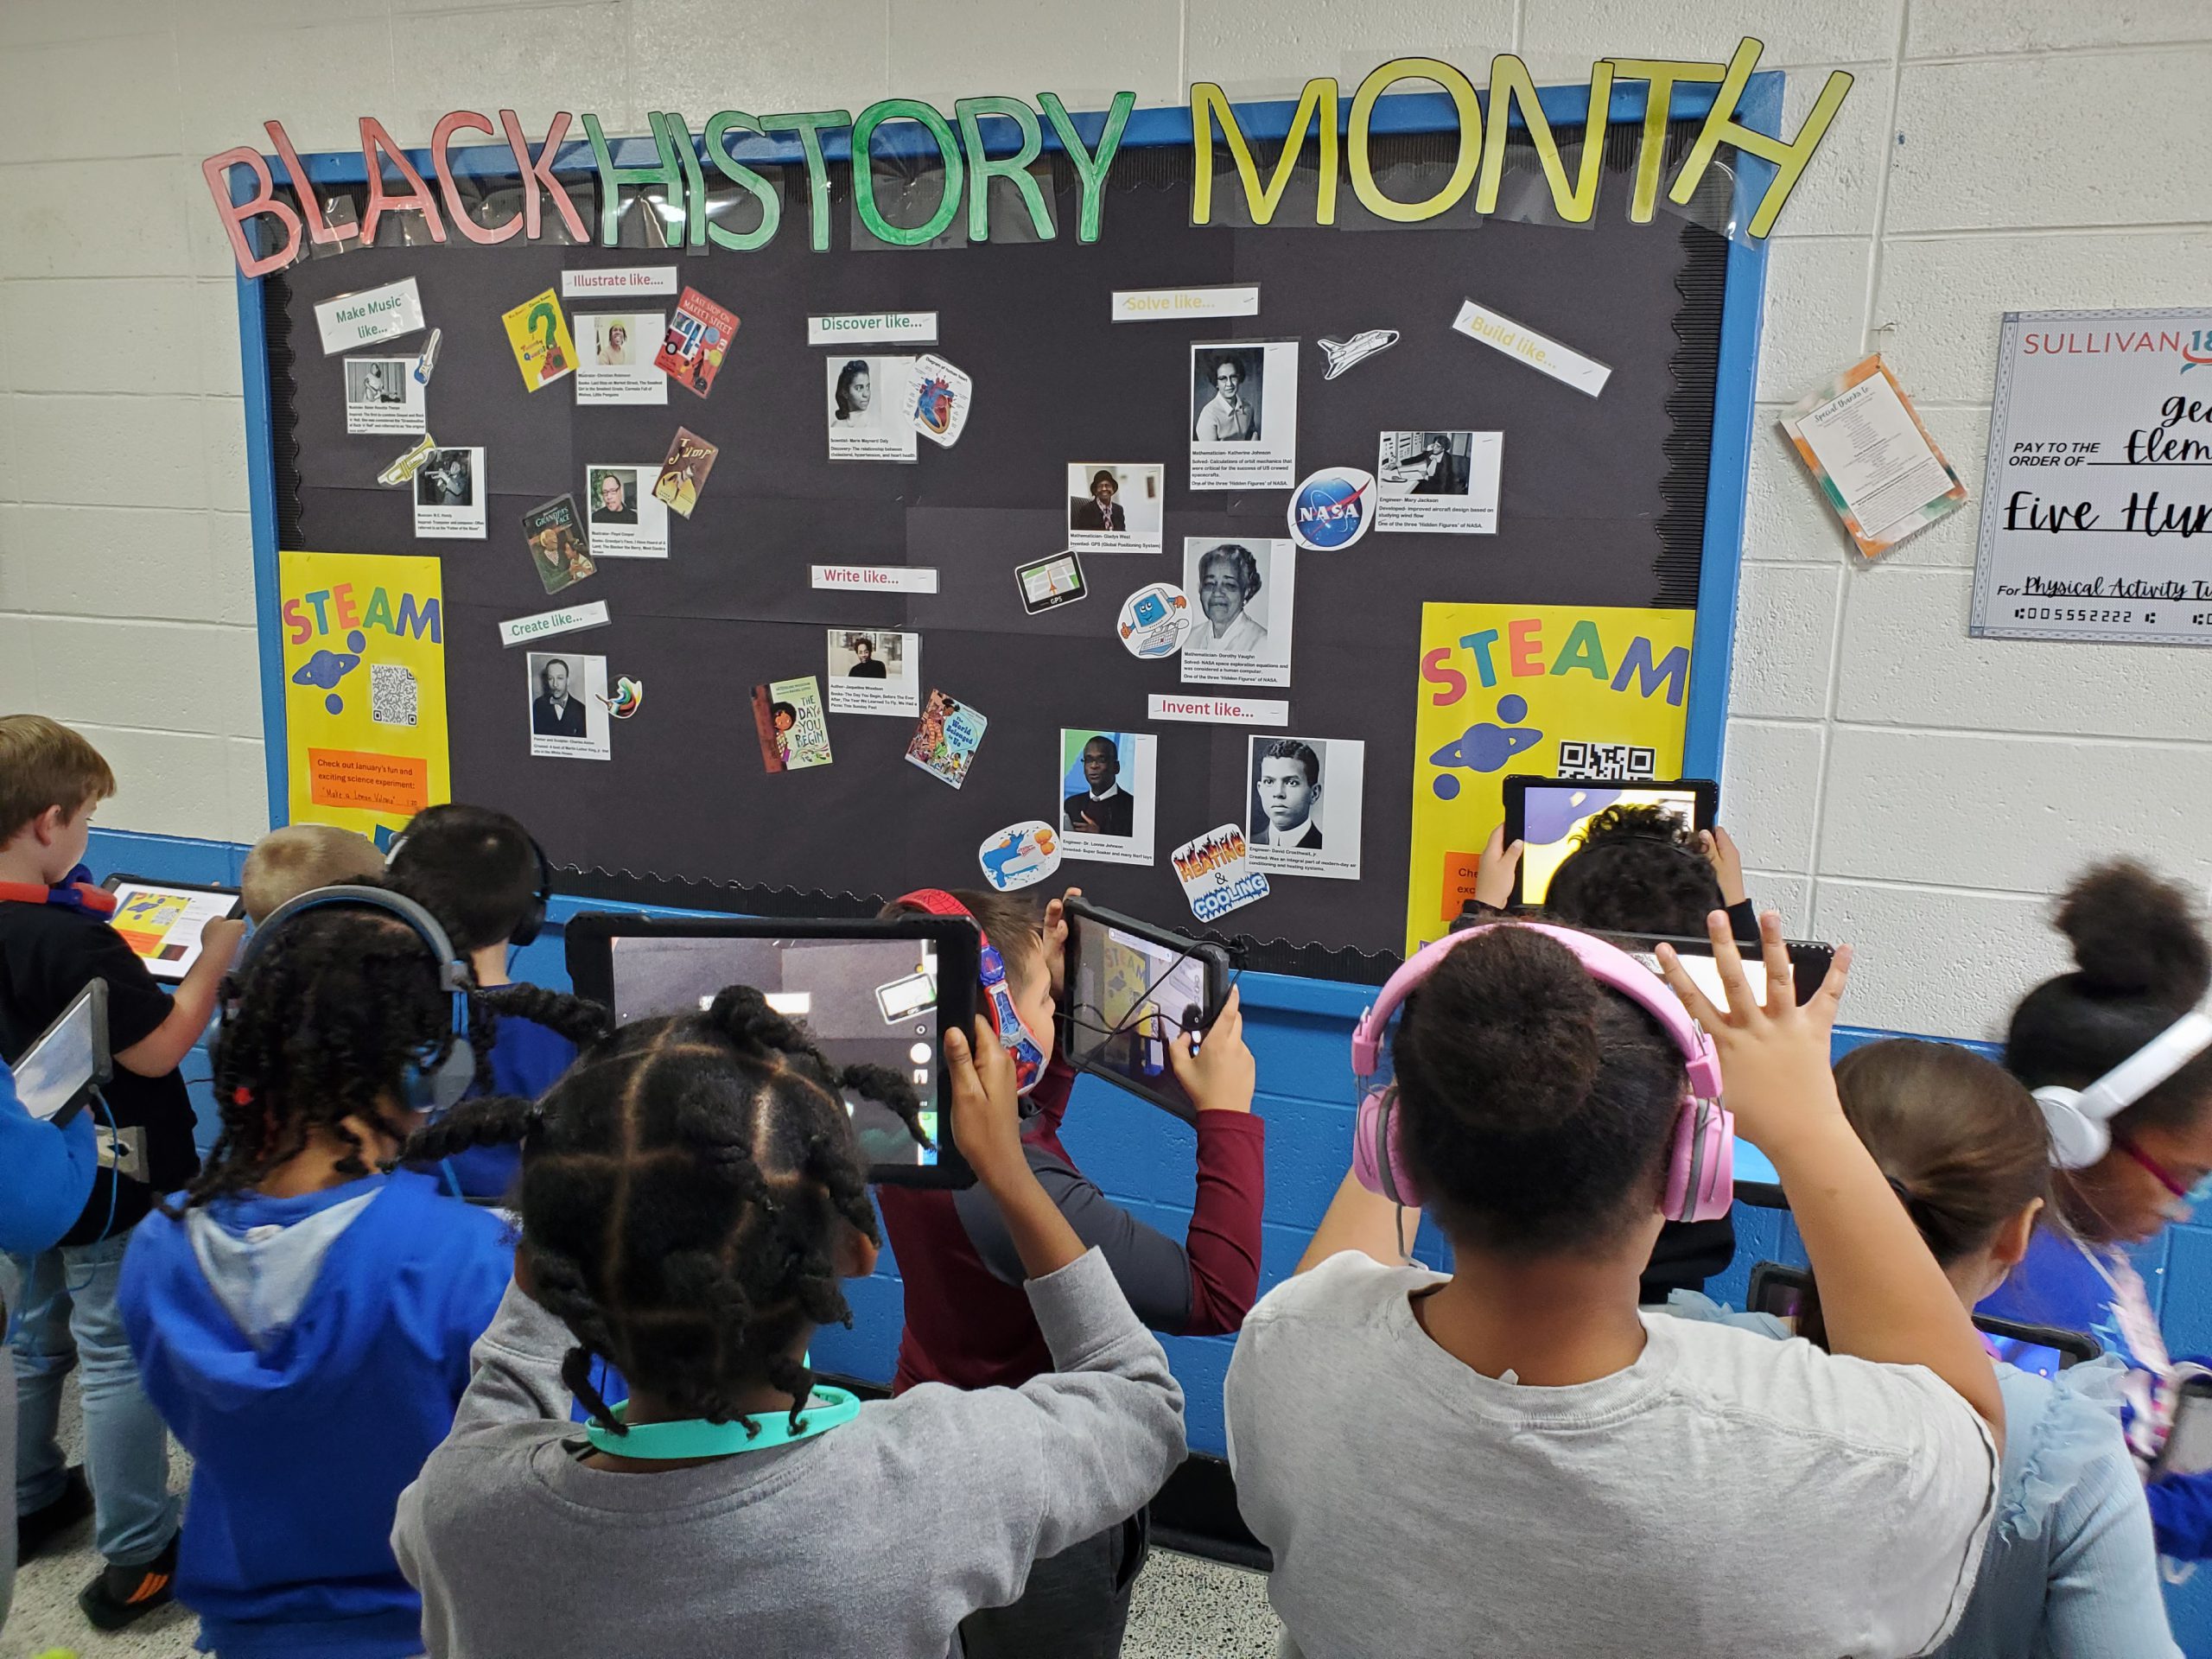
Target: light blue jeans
<point>70,1319</point>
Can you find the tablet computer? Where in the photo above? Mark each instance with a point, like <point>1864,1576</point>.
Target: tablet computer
<point>69,1063</point>
<point>161,920</point>
<point>2187,1450</point>
<point>1132,990</point>
<point>1547,815</point>
<point>1809,961</point>
<point>869,992</point>
<point>2045,1349</point>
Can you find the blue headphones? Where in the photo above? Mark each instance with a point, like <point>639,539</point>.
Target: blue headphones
<point>432,1082</point>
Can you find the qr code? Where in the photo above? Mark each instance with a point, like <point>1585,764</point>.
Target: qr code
<point>391,694</point>
<point>1606,763</point>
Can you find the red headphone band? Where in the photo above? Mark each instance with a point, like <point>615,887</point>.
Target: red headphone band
<point>936,901</point>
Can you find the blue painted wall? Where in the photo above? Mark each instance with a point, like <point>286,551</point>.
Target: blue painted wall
<point>1300,1031</point>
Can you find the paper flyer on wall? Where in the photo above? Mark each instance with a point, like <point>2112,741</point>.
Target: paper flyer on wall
<point>449,494</point>
<point>1109,791</point>
<point>558,547</point>
<point>624,520</point>
<point>364,688</point>
<point>619,366</point>
<point>875,671</point>
<point>1216,874</point>
<point>1244,415</point>
<point>1878,470</point>
<point>683,471</point>
<point>937,396</point>
<point>2096,506</point>
<point>946,738</point>
<point>538,334</point>
<point>569,706</point>
<point>383,395</point>
<point>1510,688</point>
<point>1439,483</point>
<point>863,413</point>
<point>1304,798</point>
<point>1115,506</point>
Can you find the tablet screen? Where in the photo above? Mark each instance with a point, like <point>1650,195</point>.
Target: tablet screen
<point>865,1002</point>
<point>1555,815</point>
<point>162,925</point>
<point>56,1071</point>
<point>1132,997</point>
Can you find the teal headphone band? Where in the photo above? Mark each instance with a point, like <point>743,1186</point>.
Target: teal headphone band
<point>695,1437</point>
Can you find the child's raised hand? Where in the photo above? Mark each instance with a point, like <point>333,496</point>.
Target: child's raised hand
<point>1727,864</point>
<point>220,939</point>
<point>1221,1075</point>
<point>1494,873</point>
<point>1056,941</point>
<point>1774,1056</point>
<point>986,1104</point>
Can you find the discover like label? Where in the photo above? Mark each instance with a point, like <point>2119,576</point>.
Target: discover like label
<point>878,578</point>
<point>872,325</point>
<point>1541,352</point>
<point>1220,711</point>
<point>373,313</point>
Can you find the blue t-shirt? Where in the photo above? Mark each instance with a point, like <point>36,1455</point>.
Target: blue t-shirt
<point>527,1059</point>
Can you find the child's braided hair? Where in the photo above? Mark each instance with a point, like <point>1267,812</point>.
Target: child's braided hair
<point>682,1189</point>
<point>333,1009</point>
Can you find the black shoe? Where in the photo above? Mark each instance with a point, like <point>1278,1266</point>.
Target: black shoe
<point>121,1595</point>
<point>35,1531</point>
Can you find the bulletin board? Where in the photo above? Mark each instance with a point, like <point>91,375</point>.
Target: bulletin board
<point>1630,499</point>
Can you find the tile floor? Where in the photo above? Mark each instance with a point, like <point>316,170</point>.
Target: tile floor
<point>1185,1607</point>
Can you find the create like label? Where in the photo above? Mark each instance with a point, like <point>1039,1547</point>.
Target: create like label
<point>878,578</point>
<point>568,620</point>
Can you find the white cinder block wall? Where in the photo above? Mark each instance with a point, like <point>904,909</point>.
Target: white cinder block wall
<point>1893,782</point>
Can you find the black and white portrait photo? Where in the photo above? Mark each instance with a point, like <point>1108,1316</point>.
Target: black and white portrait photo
<point>1444,483</point>
<point>383,396</point>
<point>1241,594</point>
<point>1244,415</point>
<point>1303,809</point>
<point>569,717</point>
<point>450,495</point>
<point>862,413</point>
<point>875,671</point>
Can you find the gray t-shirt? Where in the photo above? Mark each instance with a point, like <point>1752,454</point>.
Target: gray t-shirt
<point>1727,1495</point>
<point>874,1540</point>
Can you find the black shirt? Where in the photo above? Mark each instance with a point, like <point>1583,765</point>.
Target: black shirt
<point>1114,816</point>
<point>48,955</point>
<point>870,669</point>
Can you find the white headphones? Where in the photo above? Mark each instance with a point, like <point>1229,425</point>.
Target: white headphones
<point>2080,1120</point>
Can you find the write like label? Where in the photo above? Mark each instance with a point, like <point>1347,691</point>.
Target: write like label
<point>1218,710</point>
<point>567,620</point>
<point>371,314</point>
<point>878,578</point>
<point>1179,304</point>
<point>1540,351</point>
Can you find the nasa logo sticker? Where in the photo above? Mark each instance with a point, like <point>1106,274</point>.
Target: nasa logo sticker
<point>1332,508</point>
<point>1154,620</point>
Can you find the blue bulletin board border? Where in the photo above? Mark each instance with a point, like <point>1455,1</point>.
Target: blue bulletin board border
<point>1705,704</point>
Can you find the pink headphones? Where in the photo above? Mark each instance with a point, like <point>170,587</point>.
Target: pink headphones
<point>1701,1164</point>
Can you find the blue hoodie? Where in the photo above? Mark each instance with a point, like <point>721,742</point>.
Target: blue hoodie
<point>308,1352</point>
<point>527,1059</point>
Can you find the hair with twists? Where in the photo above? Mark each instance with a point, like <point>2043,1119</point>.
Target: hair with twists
<point>682,1192</point>
<point>335,1007</point>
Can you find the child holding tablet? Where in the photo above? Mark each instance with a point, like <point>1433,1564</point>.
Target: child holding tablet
<point>1513,1459</point>
<point>2070,1568</point>
<point>692,1191</point>
<point>967,1322</point>
<point>2118,1055</point>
